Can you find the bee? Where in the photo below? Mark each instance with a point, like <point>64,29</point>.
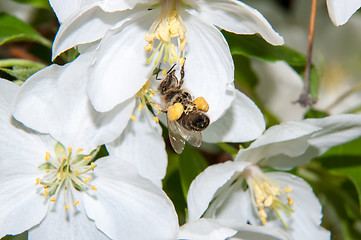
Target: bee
<point>186,117</point>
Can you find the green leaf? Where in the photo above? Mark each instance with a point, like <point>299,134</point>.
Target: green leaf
<point>191,163</point>
<point>13,29</point>
<point>19,68</point>
<point>255,46</point>
<point>345,160</point>
<point>35,3</point>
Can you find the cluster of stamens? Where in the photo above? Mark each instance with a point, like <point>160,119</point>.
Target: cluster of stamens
<point>267,195</point>
<point>169,25</point>
<point>66,170</point>
<point>145,95</point>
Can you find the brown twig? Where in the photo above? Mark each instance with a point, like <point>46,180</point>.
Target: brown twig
<point>305,97</point>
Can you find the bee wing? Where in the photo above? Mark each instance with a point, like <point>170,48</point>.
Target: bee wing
<point>194,138</point>
<point>175,136</point>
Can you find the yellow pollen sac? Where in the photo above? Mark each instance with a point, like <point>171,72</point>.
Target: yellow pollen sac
<point>164,72</point>
<point>47,171</point>
<point>45,192</point>
<point>87,179</point>
<point>140,106</point>
<point>268,202</point>
<point>156,120</point>
<point>175,112</point>
<point>133,118</point>
<point>79,150</point>
<point>77,172</point>
<point>58,176</point>
<point>53,199</point>
<point>87,158</point>
<point>201,104</point>
<point>70,149</point>
<point>287,189</point>
<point>76,203</point>
<point>92,165</point>
<point>37,181</point>
<point>94,188</point>
<point>290,202</point>
<point>47,156</point>
<point>182,60</point>
<point>67,207</point>
<point>59,150</point>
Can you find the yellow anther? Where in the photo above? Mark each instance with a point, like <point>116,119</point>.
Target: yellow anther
<point>87,179</point>
<point>92,165</point>
<point>45,192</point>
<point>182,60</point>
<point>78,182</point>
<point>158,112</point>
<point>183,43</point>
<point>140,106</point>
<point>175,112</point>
<point>77,172</point>
<point>201,104</point>
<point>263,219</point>
<point>290,202</point>
<point>59,149</point>
<point>86,158</point>
<point>149,47</point>
<point>269,200</point>
<point>133,118</point>
<point>52,199</point>
<point>47,156</point>
<point>58,176</point>
<point>287,189</point>
<point>70,149</point>
<point>37,181</point>
<point>94,188</point>
<point>67,207</point>
<point>164,72</point>
<point>156,120</point>
<point>76,203</point>
<point>47,171</point>
<point>79,150</point>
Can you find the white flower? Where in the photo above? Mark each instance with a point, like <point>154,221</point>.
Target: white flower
<point>275,199</point>
<point>178,28</point>
<point>340,11</point>
<point>109,193</point>
<point>210,229</point>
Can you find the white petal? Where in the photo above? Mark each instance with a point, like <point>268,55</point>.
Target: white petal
<point>142,144</point>
<point>21,205</point>
<point>120,68</point>
<point>88,25</point>
<point>242,122</point>
<point>305,222</point>
<point>205,229</point>
<point>335,130</point>
<point>278,88</point>
<point>209,70</point>
<point>127,206</point>
<point>288,139</point>
<point>70,118</point>
<point>62,224</point>
<point>235,16</point>
<point>340,11</point>
<point>250,232</point>
<point>65,8</point>
<point>206,184</point>
<point>115,5</point>
<point>34,94</point>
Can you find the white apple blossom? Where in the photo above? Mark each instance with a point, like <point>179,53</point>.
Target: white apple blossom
<point>172,29</point>
<point>52,187</point>
<point>274,199</point>
<point>340,11</point>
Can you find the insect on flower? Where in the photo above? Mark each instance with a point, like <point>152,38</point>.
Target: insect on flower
<point>186,117</point>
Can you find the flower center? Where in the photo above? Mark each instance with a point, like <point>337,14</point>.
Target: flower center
<point>267,195</point>
<point>145,95</point>
<point>169,30</point>
<point>66,170</point>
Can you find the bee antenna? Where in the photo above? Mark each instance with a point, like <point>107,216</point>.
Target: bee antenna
<point>171,68</point>
<point>158,69</point>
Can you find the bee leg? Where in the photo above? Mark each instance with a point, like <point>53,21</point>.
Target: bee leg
<point>156,71</point>
<point>181,72</point>
<point>158,107</point>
